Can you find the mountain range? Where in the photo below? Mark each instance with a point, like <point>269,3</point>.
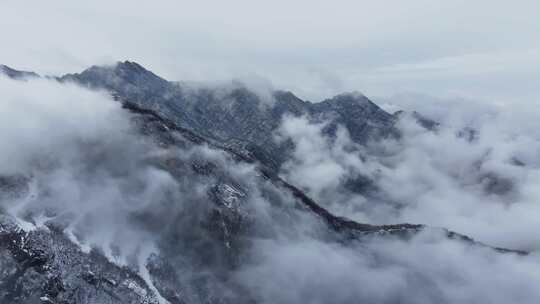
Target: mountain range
<point>215,233</point>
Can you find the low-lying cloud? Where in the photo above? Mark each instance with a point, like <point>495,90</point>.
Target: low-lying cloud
<point>84,166</point>
<point>426,269</point>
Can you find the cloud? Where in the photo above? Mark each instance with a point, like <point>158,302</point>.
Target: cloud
<point>87,172</point>
<point>40,117</point>
<point>475,175</point>
<point>426,269</point>
<point>84,166</point>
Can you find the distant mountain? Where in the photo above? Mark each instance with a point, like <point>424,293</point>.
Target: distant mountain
<point>205,241</point>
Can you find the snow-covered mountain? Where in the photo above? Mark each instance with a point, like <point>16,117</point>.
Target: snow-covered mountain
<point>190,205</point>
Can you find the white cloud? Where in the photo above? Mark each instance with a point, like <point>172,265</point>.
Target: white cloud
<point>427,269</point>
<point>41,117</point>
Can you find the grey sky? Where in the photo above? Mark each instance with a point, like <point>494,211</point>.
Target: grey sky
<point>486,50</point>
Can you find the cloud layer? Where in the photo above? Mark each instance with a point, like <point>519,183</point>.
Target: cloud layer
<point>107,187</point>
<point>476,174</point>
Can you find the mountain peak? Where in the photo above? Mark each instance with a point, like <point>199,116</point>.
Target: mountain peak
<point>349,100</point>
<point>131,66</point>
<point>121,68</point>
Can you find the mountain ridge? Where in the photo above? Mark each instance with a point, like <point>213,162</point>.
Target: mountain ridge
<point>223,227</point>
<point>236,115</point>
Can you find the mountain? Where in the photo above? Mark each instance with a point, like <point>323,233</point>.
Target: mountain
<point>234,115</point>
<point>217,146</point>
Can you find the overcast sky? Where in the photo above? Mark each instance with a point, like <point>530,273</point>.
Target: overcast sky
<point>487,50</point>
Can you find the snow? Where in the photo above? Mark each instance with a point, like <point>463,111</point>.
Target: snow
<point>230,195</point>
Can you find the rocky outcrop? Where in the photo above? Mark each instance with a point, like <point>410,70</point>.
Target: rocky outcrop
<point>44,266</point>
